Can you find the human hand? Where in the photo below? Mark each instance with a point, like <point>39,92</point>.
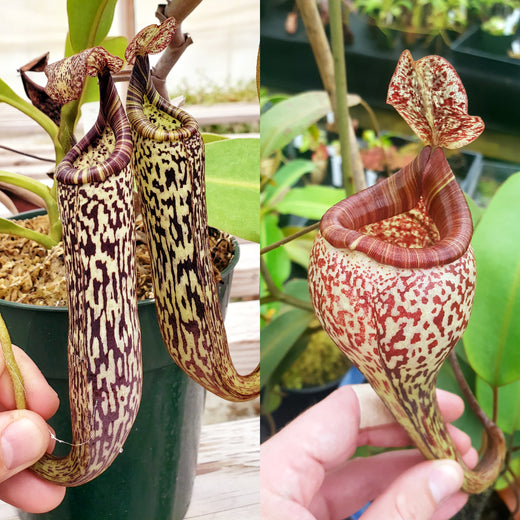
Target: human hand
<point>306,472</point>
<point>25,437</point>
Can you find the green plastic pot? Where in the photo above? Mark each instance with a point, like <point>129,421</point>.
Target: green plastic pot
<point>153,477</point>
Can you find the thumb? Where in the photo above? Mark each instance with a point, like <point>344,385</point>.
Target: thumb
<point>419,492</point>
<point>24,438</point>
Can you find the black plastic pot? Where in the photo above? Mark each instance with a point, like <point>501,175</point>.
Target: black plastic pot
<point>481,49</point>
<point>153,477</point>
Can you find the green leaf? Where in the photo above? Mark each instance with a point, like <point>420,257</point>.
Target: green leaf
<point>284,178</point>
<point>208,137</point>
<point>508,404</point>
<point>476,211</point>
<point>493,334</point>
<point>272,99</point>
<point>271,398</point>
<point>298,288</point>
<point>277,260</point>
<point>89,22</point>
<point>514,466</point>
<point>311,201</point>
<point>278,337</point>
<point>284,121</point>
<point>233,187</point>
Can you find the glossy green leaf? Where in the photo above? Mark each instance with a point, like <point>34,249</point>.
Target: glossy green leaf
<point>271,99</point>
<point>493,334</point>
<point>277,260</point>
<point>476,211</point>
<point>208,137</point>
<point>284,178</point>
<point>233,187</point>
<point>296,350</point>
<point>271,398</point>
<point>299,288</point>
<point>311,201</point>
<point>89,22</point>
<point>278,337</point>
<point>508,404</point>
<point>284,121</point>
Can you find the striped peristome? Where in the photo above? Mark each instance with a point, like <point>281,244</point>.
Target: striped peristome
<point>427,177</point>
<point>95,195</point>
<point>168,158</point>
<point>392,280</point>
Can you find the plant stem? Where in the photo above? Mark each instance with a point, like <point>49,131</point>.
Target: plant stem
<point>36,115</point>
<point>278,295</point>
<point>25,154</point>
<point>340,79</point>
<point>325,62</point>
<point>46,195</point>
<point>289,238</point>
<point>12,366</point>
<point>320,46</point>
<point>10,227</point>
<point>466,390</point>
<point>179,9</point>
<point>69,115</point>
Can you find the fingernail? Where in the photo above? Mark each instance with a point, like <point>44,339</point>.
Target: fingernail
<point>21,443</point>
<point>445,478</point>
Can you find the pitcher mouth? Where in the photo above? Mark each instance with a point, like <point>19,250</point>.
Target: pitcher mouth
<point>119,149</point>
<point>426,185</point>
<point>142,94</point>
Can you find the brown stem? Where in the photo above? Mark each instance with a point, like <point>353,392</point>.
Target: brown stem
<point>320,46</point>
<point>325,62</point>
<point>178,9</point>
<point>290,238</point>
<point>466,390</point>
<point>32,156</point>
<point>494,444</point>
<point>271,423</point>
<point>278,295</point>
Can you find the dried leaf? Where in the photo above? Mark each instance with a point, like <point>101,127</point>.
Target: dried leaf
<point>36,93</point>
<point>151,40</point>
<point>66,77</point>
<point>430,97</point>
